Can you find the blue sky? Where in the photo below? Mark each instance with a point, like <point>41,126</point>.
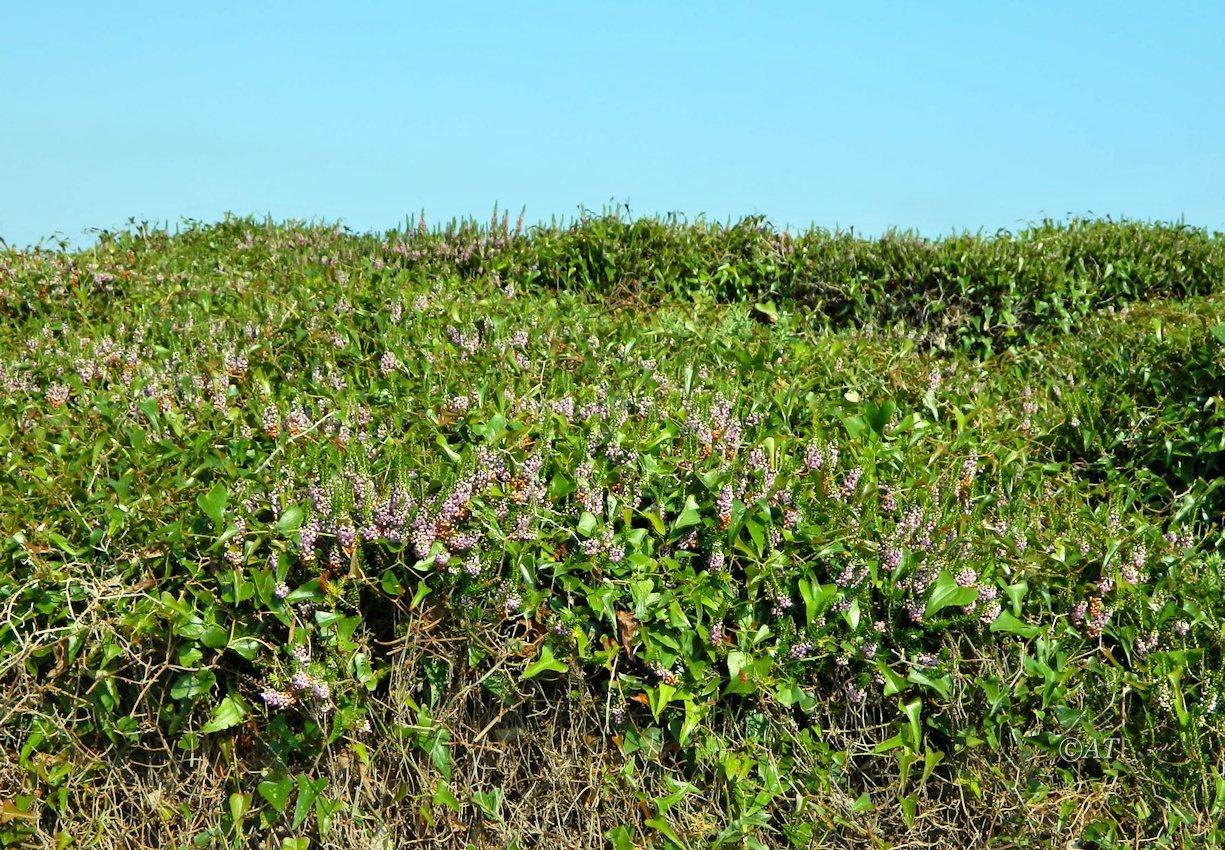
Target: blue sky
<point>932,116</point>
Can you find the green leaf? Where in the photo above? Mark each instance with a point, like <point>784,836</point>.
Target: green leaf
<point>63,544</point>
<point>213,503</point>
<point>436,744</point>
<point>240,804</point>
<point>229,712</point>
<point>689,516</point>
<point>661,826</point>
<point>620,838</point>
<point>1016,593</point>
<point>490,802</point>
<point>888,744</point>
<point>247,647</point>
<point>546,662</point>
<point>913,711</point>
<point>193,685</point>
<point>766,311</point>
<point>276,793</point>
<point>659,697</point>
<point>656,522</point>
<point>214,637</point>
<point>587,524</point>
<point>444,797</point>
<point>1005,622</point>
<point>758,535</point>
<point>1218,331</point>
<point>855,425</point>
<point>291,520</point>
<point>947,592</point>
<point>910,804</point>
<point>894,683</point>
<point>442,443</point>
<point>391,583</point>
<point>307,592</point>
<point>308,790</point>
<point>878,417</point>
<point>942,685</point>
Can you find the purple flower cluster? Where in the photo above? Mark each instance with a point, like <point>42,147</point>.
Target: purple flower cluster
<point>307,538</point>
<point>346,537</point>
<point>814,456</point>
<point>723,506</point>
<point>1145,645</point>
<point>668,677</point>
<point>852,574</point>
<point>277,699</point>
<point>887,500</point>
<point>966,578</point>
<point>388,363</point>
<point>57,395</point>
<point>296,422</point>
<point>423,536</point>
<point>780,604</point>
<point>851,481</point>
<point>1131,572</point>
<point>891,558</point>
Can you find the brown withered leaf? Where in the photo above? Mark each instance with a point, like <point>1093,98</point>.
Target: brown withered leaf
<point>627,627</point>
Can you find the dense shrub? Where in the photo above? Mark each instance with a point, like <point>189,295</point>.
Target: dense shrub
<point>617,534</point>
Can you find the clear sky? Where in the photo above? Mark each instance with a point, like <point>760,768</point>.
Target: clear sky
<point>935,116</point>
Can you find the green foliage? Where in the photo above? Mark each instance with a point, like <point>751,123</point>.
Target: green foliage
<point>818,518</point>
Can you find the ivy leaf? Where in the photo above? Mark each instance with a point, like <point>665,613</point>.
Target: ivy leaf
<point>1005,622</point>
<point>545,663</point>
<point>247,647</point>
<point>308,790</point>
<point>656,522</point>
<point>193,685</point>
<point>229,712</point>
<point>276,793</point>
<point>213,503</point>
<point>436,744</point>
<point>942,685</point>
<point>689,516</point>
<point>894,683</point>
<point>291,520</point>
<point>948,593</point>
<point>587,524</point>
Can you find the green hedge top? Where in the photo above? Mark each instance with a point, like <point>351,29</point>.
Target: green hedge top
<point>966,291</point>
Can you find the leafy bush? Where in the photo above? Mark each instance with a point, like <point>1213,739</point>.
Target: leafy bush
<point>618,534</point>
